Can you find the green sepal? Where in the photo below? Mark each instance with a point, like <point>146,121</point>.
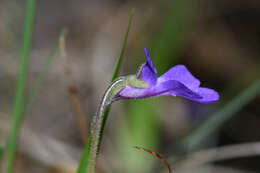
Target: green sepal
<point>133,81</point>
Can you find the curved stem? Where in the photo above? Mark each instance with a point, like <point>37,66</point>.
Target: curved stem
<point>108,98</point>
<point>112,90</point>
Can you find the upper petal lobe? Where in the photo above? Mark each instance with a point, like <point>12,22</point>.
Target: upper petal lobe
<point>149,72</point>
<point>181,74</point>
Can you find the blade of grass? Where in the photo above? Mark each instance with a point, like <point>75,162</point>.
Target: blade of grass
<point>37,84</point>
<point>119,61</point>
<point>84,160</point>
<point>120,58</point>
<point>21,83</point>
<point>1,156</point>
<point>216,120</point>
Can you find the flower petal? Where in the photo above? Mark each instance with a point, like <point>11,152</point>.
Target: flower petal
<point>176,88</point>
<point>131,92</point>
<point>148,72</point>
<point>171,87</point>
<point>202,95</point>
<point>208,95</point>
<point>181,74</point>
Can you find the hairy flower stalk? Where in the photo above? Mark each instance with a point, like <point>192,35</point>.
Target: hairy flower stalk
<point>107,99</point>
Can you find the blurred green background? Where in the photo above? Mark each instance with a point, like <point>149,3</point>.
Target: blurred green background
<point>217,40</point>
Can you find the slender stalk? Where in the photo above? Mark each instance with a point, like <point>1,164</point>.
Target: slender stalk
<point>109,97</point>
<point>114,88</point>
<point>88,160</point>
<point>21,83</point>
<point>73,92</point>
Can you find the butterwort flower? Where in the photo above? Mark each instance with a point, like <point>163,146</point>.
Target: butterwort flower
<point>178,81</point>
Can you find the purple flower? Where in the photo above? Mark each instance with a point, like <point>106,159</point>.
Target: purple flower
<point>178,81</point>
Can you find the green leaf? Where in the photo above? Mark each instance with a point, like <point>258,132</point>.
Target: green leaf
<point>21,84</point>
<point>120,58</point>
<point>1,156</point>
<point>84,160</point>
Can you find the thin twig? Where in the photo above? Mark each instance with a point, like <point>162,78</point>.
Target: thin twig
<point>73,92</point>
<point>80,117</point>
<point>156,155</point>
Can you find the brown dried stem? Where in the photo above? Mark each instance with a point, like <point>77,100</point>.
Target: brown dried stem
<point>73,92</point>
<point>156,155</point>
